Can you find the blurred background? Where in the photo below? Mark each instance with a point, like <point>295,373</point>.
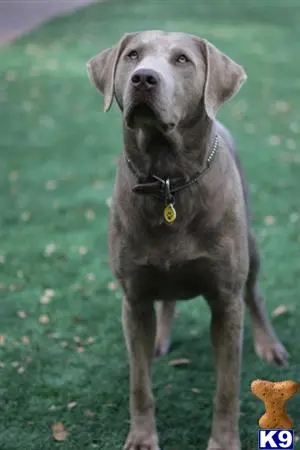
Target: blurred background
<point>63,365</point>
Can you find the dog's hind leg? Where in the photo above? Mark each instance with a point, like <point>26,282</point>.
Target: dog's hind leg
<point>165,313</point>
<point>267,345</point>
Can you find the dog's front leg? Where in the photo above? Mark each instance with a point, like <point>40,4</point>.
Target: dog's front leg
<point>139,324</point>
<point>226,333</point>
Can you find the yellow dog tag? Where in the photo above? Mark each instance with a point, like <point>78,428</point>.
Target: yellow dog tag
<point>170,213</point>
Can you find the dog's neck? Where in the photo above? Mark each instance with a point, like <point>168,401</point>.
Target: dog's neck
<point>180,153</point>
<point>176,160</point>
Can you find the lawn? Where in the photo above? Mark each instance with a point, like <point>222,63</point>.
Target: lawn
<point>62,355</point>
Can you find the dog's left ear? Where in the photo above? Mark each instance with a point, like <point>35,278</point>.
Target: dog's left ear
<point>102,68</point>
<point>224,78</point>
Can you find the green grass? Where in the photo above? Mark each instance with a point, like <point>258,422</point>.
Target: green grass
<point>57,168</point>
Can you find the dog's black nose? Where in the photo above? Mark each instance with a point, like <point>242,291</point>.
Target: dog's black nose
<point>145,78</point>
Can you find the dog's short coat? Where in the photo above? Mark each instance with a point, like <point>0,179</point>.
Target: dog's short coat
<point>169,87</point>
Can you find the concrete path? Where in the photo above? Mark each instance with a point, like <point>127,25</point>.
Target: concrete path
<point>20,16</point>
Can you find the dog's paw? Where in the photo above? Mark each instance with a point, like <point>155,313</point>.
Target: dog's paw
<point>272,351</point>
<point>138,440</point>
<point>234,444</point>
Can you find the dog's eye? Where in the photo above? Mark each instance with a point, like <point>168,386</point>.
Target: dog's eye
<point>182,59</point>
<point>133,54</point>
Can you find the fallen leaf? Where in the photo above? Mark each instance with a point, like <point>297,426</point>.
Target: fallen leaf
<point>54,335</point>
<point>281,106</point>
<point>25,216</point>
<point>44,319</point>
<point>44,300</point>
<point>98,184</point>
<point>50,185</point>
<point>112,286</point>
<point>14,175</point>
<point>90,277</point>
<point>89,214</point>
<point>194,332</point>
<point>50,248</point>
<point>10,75</point>
<point>52,64</point>
<point>49,292</point>
<point>89,413</point>
<point>75,287</point>
<point>72,405</point>
<point>196,390</point>
<point>179,362</point>
<point>294,217</point>
<point>279,311</point>
<point>59,431</point>
<point>83,250</point>
<point>269,220</point>
<point>47,296</point>
<point>274,140</point>
<point>25,340</point>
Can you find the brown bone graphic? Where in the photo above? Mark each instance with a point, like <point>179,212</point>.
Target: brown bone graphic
<point>274,395</point>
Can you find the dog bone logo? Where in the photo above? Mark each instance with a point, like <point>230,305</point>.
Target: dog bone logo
<point>274,395</point>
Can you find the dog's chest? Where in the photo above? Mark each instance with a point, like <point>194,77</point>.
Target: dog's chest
<point>183,280</point>
<point>168,250</point>
<point>170,268</point>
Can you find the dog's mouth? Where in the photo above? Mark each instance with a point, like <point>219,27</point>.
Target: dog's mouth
<point>142,114</point>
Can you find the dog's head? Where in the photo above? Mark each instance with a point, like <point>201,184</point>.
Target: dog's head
<point>162,79</point>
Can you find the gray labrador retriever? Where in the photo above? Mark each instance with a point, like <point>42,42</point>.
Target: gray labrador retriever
<point>179,222</point>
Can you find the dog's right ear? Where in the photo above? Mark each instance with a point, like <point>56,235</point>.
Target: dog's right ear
<point>102,68</point>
